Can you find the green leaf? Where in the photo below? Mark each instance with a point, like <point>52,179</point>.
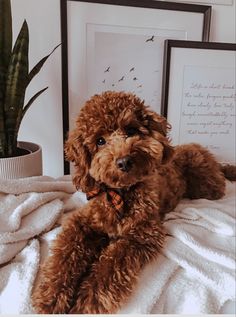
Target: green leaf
<point>27,106</point>
<point>5,32</point>
<point>18,70</point>
<point>2,132</point>
<point>3,144</point>
<point>39,65</point>
<point>5,54</point>
<point>16,85</point>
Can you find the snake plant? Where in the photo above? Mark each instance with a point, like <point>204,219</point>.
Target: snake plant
<point>14,80</point>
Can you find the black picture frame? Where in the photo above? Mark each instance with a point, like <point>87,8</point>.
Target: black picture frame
<point>208,65</point>
<point>194,8</point>
<point>211,2</point>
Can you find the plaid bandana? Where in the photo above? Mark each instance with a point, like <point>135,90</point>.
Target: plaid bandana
<point>112,196</point>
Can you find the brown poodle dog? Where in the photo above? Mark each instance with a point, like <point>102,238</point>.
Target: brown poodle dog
<point>132,176</point>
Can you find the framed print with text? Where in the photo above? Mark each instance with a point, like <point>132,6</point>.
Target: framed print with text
<point>199,95</point>
<point>118,45</point>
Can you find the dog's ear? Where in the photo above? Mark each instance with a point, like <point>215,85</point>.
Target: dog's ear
<point>78,153</point>
<point>158,123</point>
<point>168,150</point>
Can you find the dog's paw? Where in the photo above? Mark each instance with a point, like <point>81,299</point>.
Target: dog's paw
<point>88,303</point>
<point>46,300</point>
<point>92,298</point>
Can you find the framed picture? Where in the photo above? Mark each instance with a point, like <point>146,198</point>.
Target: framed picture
<point>119,45</point>
<point>223,2</point>
<point>199,95</point>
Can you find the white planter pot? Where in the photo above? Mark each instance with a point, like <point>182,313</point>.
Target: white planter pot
<point>23,166</point>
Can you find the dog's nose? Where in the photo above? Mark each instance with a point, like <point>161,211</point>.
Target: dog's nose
<point>124,163</point>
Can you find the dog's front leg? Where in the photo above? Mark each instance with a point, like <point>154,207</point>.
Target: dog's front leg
<point>115,273</point>
<point>74,249</point>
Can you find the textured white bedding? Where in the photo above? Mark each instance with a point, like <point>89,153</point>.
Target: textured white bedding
<point>194,274</point>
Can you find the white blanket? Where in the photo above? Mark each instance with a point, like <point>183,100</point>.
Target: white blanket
<point>28,208</point>
<point>194,274</point>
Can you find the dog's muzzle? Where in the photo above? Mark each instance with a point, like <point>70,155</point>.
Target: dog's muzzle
<point>124,163</point>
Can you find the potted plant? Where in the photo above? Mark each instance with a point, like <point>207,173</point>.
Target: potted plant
<point>17,159</point>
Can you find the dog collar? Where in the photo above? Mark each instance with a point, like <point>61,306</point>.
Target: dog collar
<point>113,196</point>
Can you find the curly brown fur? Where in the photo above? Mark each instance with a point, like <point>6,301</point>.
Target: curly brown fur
<point>229,171</point>
<point>98,255</point>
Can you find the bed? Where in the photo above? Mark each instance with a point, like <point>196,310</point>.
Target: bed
<point>193,274</point>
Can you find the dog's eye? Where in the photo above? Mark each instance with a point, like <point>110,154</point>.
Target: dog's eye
<point>100,141</point>
<point>130,131</point>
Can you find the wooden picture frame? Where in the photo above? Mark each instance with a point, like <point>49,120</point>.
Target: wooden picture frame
<point>198,95</point>
<point>93,31</point>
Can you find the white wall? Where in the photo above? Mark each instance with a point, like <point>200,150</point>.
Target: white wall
<point>223,23</point>
<point>43,122</point>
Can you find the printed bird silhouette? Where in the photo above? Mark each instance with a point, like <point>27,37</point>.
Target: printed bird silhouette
<point>103,81</point>
<point>122,78</point>
<point>151,39</point>
<point>107,70</point>
<point>139,86</point>
<point>135,78</point>
<point>131,69</point>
